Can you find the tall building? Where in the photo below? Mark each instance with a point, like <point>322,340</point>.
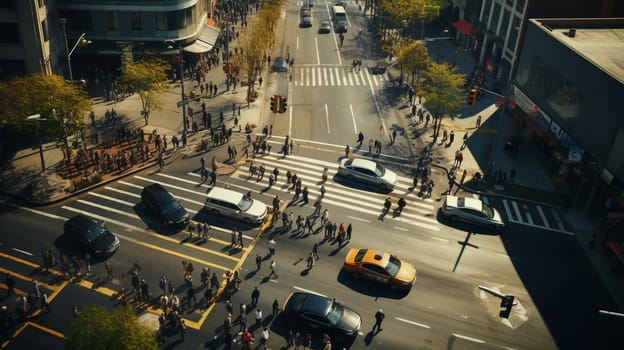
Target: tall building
<point>492,30</point>
<point>567,88</point>
<point>29,39</point>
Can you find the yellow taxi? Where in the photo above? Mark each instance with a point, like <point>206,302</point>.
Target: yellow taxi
<point>381,267</point>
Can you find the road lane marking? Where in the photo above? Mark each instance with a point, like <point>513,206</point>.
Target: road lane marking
<point>440,239</point>
<point>309,291</point>
<point>358,219</point>
<point>502,255</point>
<point>318,56</point>
<point>327,118</point>
<point>23,251</point>
<point>412,322</point>
<point>355,130</point>
<point>475,340</point>
<point>400,228</point>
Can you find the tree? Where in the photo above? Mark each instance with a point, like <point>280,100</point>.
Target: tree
<point>413,58</point>
<point>147,78</point>
<point>443,90</point>
<point>61,104</point>
<point>97,329</point>
<point>407,13</point>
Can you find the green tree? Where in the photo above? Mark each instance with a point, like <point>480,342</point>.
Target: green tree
<point>62,106</point>
<point>97,329</point>
<point>443,90</point>
<point>408,13</point>
<point>413,58</point>
<point>148,78</point>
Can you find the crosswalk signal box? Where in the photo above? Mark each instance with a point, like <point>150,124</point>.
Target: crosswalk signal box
<point>275,103</point>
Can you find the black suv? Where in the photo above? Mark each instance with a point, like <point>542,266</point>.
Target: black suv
<point>171,212</point>
<point>91,235</point>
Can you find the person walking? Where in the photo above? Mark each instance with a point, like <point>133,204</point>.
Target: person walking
<point>258,317</point>
<point>451,138</point>
<point>310,260</point>
<point>258,262</point>
<point>265,338</point>
<point>271,245</point>
<point>349,230</point>
<point>379,317</point>
<point>272,268</point>
<point>478,121</point>
<point>45,303</point>
<point>315,251</point>
<point>275,309</point>
<point>255,296</point>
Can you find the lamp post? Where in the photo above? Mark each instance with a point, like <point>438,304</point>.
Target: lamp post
<point>37,117</point>
<point>81,41</point>
<point>172,44</point>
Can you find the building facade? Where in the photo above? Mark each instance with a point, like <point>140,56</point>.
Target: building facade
<point>29,38</point>
<point>567,89</point>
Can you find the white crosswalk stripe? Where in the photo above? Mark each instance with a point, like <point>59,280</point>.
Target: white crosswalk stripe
<point>419,212</point>
<point>335,76</point>
<point>533,215</point>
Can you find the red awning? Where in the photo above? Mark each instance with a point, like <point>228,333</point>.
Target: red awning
<point>463,27</point>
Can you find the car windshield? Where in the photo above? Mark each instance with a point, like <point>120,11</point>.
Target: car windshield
<point>335,313</point>
<point>380,171</point>
<point>393,266</point>
<point>245,203</point>
<point>94,232</point>
<point>488,211</point>
<point>170,207</point>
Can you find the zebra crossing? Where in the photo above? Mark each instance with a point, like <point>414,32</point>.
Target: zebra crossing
<point>419,212</point>
<point>529,214</point>
<point>335,76</point>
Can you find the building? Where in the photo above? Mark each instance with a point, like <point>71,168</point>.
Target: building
<point>492,30</point>
<point>29,40</point>
<point>115,28</point>
<point>568,87</point>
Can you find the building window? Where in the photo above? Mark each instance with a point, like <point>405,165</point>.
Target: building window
<point>161,21</point>
<point>495,18</point>
<point>44,30</point>
<point>513,34</point>
<point>505,24</point>
<point>112,21</point>
<point>520,5</point>
<point>136,23</point>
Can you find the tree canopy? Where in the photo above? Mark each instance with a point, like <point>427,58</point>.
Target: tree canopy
<point>47,95</point>
<point>148,78</point>
<point>97,329</point>
<point>413,57</point>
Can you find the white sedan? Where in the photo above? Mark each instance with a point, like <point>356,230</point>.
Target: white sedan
<point>473,211</point>
<point>364,170</point>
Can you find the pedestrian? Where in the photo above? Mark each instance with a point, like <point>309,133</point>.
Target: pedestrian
<point>370,146</point>
<point>394,134</point>
<point>349,230</point>
<point>258,317</point>
<point>258,262</point>
<point>478,121</point>
<point>310,260</point>
<point>214,281</point>
<point>463,177</point>
<point>255,295</point>
<point>315,251</point>
<point>427,118</point>
<point>37,289</point>
<point>272,267</point>
<point>305,193</point>
<point>379,317</point>
<point>271,245</point>
<point>456,158</point>
<point>451,138</point>
<point>44,302</point>
<point>109,270</point>
<point>240,239</point>
<point>347,151</point>
<point>162,284</point>
<point>512,175</point>
<point>460,159</point>
<point>265,337</point>
<point>465,139</point>
<point>275,308</point>
<point>182,330</point>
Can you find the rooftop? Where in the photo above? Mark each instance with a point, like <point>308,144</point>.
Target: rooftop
<point>600,41</point>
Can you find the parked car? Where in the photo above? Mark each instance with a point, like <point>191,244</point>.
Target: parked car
<point>342,3</point>
<point>381,267</point>
<point>91,235</point>
<point>340,27</point>
<point>308,312</point>
<point>324,28</point>
<point>473,211</point>
<point>368,171</point>
<point>379,68</point>
<point>170,211</point>
<point>222,201</point>
<point>280,64</point>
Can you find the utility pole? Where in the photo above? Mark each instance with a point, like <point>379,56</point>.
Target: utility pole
<point>461,252</point>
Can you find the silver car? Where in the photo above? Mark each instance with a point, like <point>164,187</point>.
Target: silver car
<point>225,202</point>
<point>473,211</point>
<point>364,170</point>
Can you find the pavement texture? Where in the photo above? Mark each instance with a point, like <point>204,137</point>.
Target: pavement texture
<point>23,181</point>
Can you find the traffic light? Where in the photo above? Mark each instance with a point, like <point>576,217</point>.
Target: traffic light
<point>472,97</point>
<point>507,303</point>
<point>275,100</point>
<point>283,105</point>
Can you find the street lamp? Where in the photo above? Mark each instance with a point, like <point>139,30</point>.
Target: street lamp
<point>81,41</point>
<point>37,117</point>
<point>172,44</point>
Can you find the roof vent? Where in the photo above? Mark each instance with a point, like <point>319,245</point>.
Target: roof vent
<point>572,33</point>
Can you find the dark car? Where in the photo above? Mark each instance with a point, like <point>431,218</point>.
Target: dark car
<point>340,27</point>
<point>280,64</point>
<point>171,212</point>
<point>309,312</point>
<point>379,68</point>
<point>91,235</point>
<point>342,3</point>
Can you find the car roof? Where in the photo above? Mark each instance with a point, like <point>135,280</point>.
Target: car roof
<point>81,221</point>
<point>378,257</point>
<point>464,202</point>
<point>221,193</point>
<point>310,302</point>
<point>364,163</point>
